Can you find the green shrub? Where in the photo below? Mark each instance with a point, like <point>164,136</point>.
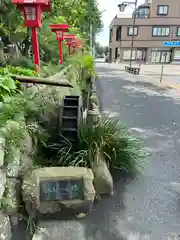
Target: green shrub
<point>21,62</point>
<point>88,63</point>
<point>83,61</point>
<point>13,106</point>
<point>21,71</point>
<point>7,87</point>
<point>113,140</point>
<point>17,71</point>
<point>50,69</point>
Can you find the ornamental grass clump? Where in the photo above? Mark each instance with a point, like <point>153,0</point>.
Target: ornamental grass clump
<point>120,149</point>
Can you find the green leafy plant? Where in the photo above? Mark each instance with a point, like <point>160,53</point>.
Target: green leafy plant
<point>13,106</point>
<point>82,64</point>
<point>112,139</point>
<point>22,62</point>
<point>17,71</point>
<point>7,87</point>
<point>83,60</point>
<point>22,71</point>
<point>88,63</point>
<point>50,69</point>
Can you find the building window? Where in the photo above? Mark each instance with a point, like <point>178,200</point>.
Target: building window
<point>162,10</point>
<point>160,31</point>
<point>178,32</point>
<point>118,34</point>
<point>160,56</point>
<point>116,53</point>
<point>110,35</point>
<point>142,13</point>
<point>130,31</point>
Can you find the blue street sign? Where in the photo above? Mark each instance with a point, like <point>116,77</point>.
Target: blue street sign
<point>172,44</point>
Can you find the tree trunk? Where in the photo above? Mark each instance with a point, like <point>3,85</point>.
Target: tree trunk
<point>1,53</point>
<point>27,43</point>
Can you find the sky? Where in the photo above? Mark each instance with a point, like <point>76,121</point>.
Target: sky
<point>110,10</point>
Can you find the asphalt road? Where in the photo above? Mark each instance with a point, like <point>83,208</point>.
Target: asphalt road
<point>145,207</point>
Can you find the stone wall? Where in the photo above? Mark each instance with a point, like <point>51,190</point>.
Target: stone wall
<point>103,181</point>
<point>17,152</point>
<point>17,156</point>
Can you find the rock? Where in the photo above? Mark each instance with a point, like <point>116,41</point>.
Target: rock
<point>85,114</point>
<point>2,55</point>
<point>31,189</point>
<point>103,181</point>
<point>14,133</point>
<point>95,101</point>
<point>61,230</point>
<point>12,196</point>
<point>5,227</point>
<point>14,219</point>
<point>93,92</point>
<point>31,88</point>
<point>12,159</point>
<point>94,106</point>
<point>93,116</point>
<point>2,182</point>
<point>27,144</point>
<point>81,215</point>
<point>2,146</point>
<point>28,150</point>
<point>26,163</point>
<point>18,157</point>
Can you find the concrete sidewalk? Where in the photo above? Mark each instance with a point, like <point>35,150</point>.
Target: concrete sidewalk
<point>152,74</point>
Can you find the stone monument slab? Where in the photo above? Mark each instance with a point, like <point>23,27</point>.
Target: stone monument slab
<point>49,190</point>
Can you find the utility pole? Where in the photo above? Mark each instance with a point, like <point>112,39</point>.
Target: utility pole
<point>133,36</point>
<point>165,55</point>
<point>89,10</point>
<point>94,41</point>
<point>91,40</point>
<point>122,7</point>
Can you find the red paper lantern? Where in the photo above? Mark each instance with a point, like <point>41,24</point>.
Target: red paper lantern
<point>59,29</point>
<point>69,38</point>
<point>32,10</point>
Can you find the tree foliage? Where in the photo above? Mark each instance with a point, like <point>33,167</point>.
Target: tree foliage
<point>79,14</point>
<point>100,50</point>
